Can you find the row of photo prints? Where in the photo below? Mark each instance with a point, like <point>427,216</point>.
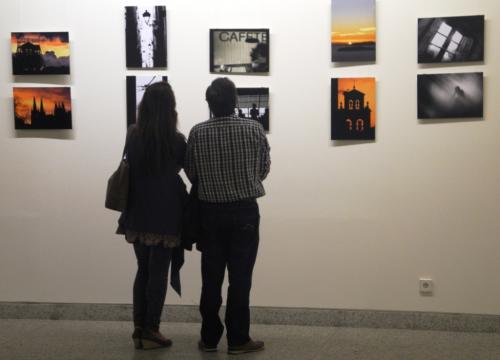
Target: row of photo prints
<point>246,51</point>
<point>252,103</point>
<point>242,51</point>
<point>353,101</point>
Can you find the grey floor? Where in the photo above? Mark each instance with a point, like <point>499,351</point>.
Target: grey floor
<point>68,340</point>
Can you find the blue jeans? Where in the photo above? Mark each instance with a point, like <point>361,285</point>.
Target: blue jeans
<point>230,239</point>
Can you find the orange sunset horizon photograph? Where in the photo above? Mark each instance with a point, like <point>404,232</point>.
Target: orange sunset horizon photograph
<point>353,31</point>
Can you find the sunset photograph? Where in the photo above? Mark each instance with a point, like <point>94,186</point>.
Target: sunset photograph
<point>42,107</point>
<point>353,32</point>
<point>41,53</point>
<point>353,108</point>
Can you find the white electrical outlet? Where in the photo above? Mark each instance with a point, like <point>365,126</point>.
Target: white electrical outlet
<point>426,286</point>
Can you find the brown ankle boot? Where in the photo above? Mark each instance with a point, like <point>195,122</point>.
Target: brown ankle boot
<point>153,339</point>
<point>137,337</point>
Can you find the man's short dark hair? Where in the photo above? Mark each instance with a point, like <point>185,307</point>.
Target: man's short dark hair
<point>221,97</point>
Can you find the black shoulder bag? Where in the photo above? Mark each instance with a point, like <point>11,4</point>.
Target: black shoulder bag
<point>117,190</point>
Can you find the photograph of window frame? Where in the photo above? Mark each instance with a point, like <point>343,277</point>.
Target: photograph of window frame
<point>451,39</point>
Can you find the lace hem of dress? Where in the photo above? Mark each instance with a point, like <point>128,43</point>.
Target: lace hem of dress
<point>150,239</point>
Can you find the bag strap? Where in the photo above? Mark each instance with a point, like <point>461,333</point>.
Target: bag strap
<point>130,130</point>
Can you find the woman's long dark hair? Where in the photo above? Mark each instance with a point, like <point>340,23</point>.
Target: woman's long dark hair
<point>157,127</point>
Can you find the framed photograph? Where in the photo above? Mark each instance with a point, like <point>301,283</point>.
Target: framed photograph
<point>253,103</point>
<point>40,53</point>
<point>450,95</point>
<point>42,107</point>
<point>353,114</point>
<point>353,35</point>
<point>239,51</point>
<point>451,39</point>
<point>146,36</point>
<point>136,86</point>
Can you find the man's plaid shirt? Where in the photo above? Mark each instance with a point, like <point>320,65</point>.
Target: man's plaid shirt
<point>229,158</point>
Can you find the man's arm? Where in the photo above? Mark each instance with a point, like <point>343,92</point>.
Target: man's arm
<point>189,160</point>
<point>265,158</point>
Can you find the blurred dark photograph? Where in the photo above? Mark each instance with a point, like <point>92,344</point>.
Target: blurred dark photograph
<point>450,96</point>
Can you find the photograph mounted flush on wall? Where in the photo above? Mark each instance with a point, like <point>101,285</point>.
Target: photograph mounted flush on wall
<point>40,53</point>
<point>353,37</point>
<point>450,95</point>
<point>146,36</point>
<point>136,86</point>
<point>253,103</point>
<point>239,51</point>
<point>451,39</point>
<point>353,109</point>
<point>42,107</point>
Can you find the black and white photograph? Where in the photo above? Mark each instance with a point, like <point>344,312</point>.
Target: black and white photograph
<point>136,86</point>
<point>146,36</point>
<point>239,51</point>
<point>253,103</point>
<point>450,95</point>
<point>451,39</point>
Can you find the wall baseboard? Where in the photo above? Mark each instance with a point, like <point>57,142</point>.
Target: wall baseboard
<point>265,315</point>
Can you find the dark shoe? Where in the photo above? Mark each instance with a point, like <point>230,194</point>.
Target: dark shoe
<point>205,348</point>
<point>250,346</point>
<point>154,340</point>
<point>137,337</point>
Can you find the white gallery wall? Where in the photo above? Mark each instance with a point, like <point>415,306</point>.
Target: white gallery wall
<point>344,225</point>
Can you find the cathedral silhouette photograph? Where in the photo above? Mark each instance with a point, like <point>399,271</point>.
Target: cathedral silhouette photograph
<point>353,109</point>
<point>43,53</point>
<point>42,108</point>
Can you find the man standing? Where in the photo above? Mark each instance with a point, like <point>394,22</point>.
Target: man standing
<point>227,159</point>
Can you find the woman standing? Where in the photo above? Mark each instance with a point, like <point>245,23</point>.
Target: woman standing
<point>155,151</point>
